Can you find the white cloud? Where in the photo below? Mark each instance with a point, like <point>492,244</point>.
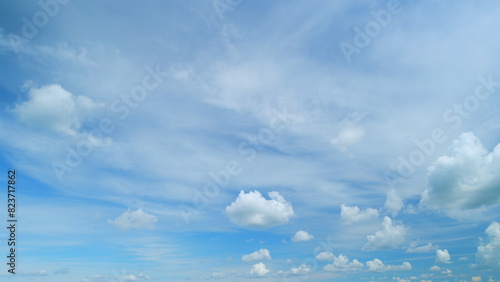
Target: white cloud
<point>53,108</point>
<point>302,269</point>
<point>341,263</point>
<point>467,179</point>
<point>447,271</point>
<point>477,279</point>
<point>351,132</point>
<point>489,254</point>
<point>393,203</point>
<point>377,265</point>
<point>262,254</point>
<point>218,275</point>
<point>259,269</point>
<point>134,220</point>
<point>252,209</point>
<point>422,249</point>
<point>435,268</point>
<point>325,256</point>
<point>390,237</point>
<point>302,236</point>
<point>350,215</point>
<point>443,256</point>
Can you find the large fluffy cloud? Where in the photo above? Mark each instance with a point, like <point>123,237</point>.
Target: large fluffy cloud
<point>302,236</point>
<point>350,215</point>
<point>488,254</point>
<point>138,219</point>
<point>443,256</point>
<point>421,249</point>
<point>468,178</point>
<point>259,269</point>
<point>342,263</point>
<point>377,265</point>
<point>53,108</point>
<point>262,254</point>
<point>252,209</point>
<point>390,237</point>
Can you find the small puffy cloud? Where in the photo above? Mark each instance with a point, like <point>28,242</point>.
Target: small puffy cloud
<point>350,215</point>
<point>302,236</point>
<point>447,271</point>
<point>435,268</point>
<point>488,254</point>
<point>390,237</point>
<point>477,279</point>
<point>351,131</point>
<point>422,249</point>
<point>377,265</point>
<point>53,108</point>
<point>262,254</point>
<point>342,263</point>
<point>467,179</point>
<point>443,256</point>
<point>259,269</point>
<point>138,219</point>
<point>325,256</point>
<point>393,203</point>
<point>252,209</point>
<point>302,269</point>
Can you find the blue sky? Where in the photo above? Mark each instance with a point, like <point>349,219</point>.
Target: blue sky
<point>237,140</point>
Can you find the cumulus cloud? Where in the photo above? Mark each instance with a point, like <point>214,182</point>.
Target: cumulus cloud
<point>351,132</point>
<point>393,203</point>
<point>447,271</point>
<point>262,254</point>
<point>350,215</point>
<point>302,236</point>
<point>377,265</point>
<point>302,269</point>
<point>466,179</point>
<point>390,237</point>
<point>488,254</point>
<point>259,269</point>
<point>443,256</point>
<point>325,256</point>
<point>421,249</point>
<point>435,268</point>
<point>252,209</point>
<point>138,219</point>
<point>342,263</point>
<point>53,108</point>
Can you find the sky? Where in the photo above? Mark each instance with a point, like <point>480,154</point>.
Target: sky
<point>238,140</point>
